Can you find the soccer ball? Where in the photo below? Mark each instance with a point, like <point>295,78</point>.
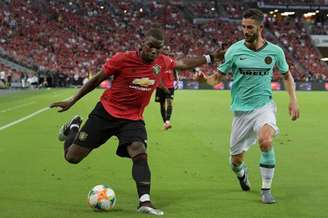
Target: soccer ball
<point>101,197</point>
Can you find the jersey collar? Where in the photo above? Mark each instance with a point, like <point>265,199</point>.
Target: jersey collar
<point>259,49</point>
<point>138,53</point>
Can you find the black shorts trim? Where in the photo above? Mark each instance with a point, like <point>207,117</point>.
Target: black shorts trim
<point>101,126</point>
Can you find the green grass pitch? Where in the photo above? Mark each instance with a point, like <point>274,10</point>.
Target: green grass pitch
<point>191,176</point>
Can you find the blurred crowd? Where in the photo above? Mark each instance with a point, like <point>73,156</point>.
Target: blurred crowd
<point>295,2</point>
<point>75,37</point>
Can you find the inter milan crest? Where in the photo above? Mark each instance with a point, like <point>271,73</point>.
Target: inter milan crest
<point>268,60</point>
<point>156,69</point>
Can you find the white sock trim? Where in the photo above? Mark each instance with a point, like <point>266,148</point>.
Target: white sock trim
<point>144,197</point>
<point>267,176</point>
<point>74,125</point>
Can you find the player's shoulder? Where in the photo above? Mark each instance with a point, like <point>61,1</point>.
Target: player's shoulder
<point>164,59</point>
<point>274,47</point>
<point>235,46</point>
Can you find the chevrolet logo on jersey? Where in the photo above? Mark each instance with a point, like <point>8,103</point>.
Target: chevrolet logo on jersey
<point>254,71</point>
<point>144,82</point>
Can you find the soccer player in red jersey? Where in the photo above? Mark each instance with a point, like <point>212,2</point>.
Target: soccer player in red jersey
<point>165,92</point>
<point>120,110</point>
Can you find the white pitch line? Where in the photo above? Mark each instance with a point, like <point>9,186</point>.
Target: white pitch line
<point>16,107</point>
<point>23,118</point>
<point>26,117</point>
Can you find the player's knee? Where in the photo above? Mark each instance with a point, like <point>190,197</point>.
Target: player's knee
<point>72,160</point>
<point>237,159</point>
<point>140,157</point>
<point>265,143</point>
<point>136,148</point>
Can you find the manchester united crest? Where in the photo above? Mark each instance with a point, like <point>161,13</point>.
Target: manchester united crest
<point>156,69</point>
<point>83,136</point>
<point>268,60</point>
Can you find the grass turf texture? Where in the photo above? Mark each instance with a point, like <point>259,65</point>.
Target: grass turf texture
<point>191,176</point>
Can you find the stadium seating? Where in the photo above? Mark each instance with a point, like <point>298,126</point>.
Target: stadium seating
<point>75,37</point>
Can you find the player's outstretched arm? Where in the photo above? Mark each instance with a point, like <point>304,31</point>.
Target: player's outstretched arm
<point>290,88</point>
<point>212,79</point>
<point>85,89</point>
<point>190,63</point>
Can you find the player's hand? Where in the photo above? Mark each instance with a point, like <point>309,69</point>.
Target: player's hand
<point>218,55</point>
<point>293,110</point>
<point>200,77</point>
<point>63,105</point>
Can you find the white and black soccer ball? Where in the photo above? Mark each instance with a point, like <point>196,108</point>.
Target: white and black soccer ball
<point>101,197</point>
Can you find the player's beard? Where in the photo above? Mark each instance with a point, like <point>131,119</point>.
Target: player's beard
<point>251,38</point>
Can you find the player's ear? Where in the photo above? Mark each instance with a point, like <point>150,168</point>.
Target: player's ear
<point>261,24</point>
<point>261,28</point>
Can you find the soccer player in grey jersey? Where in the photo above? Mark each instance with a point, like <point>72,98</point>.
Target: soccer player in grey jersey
<point>252,61</point>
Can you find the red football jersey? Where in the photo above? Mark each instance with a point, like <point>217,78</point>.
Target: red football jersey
<point>168,79</point>
<point>133,84</point>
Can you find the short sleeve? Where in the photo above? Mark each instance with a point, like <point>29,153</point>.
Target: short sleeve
<point>113,64</point>
<point>170,63</point>
<point>226,66</point>
<point>281,63</point>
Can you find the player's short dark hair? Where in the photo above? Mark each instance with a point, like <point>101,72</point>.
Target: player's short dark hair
<point>254,14</point>
<point>155,32</point>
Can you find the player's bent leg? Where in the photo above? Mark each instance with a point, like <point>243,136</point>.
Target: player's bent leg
<point>142,176</point>
<point>64,131</point>
<point>267,162</point>
<point>69,131</point>
<point>76,153</point>
<point>239,168</point>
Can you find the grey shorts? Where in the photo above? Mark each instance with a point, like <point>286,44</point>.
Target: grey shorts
<point>246,127</point>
